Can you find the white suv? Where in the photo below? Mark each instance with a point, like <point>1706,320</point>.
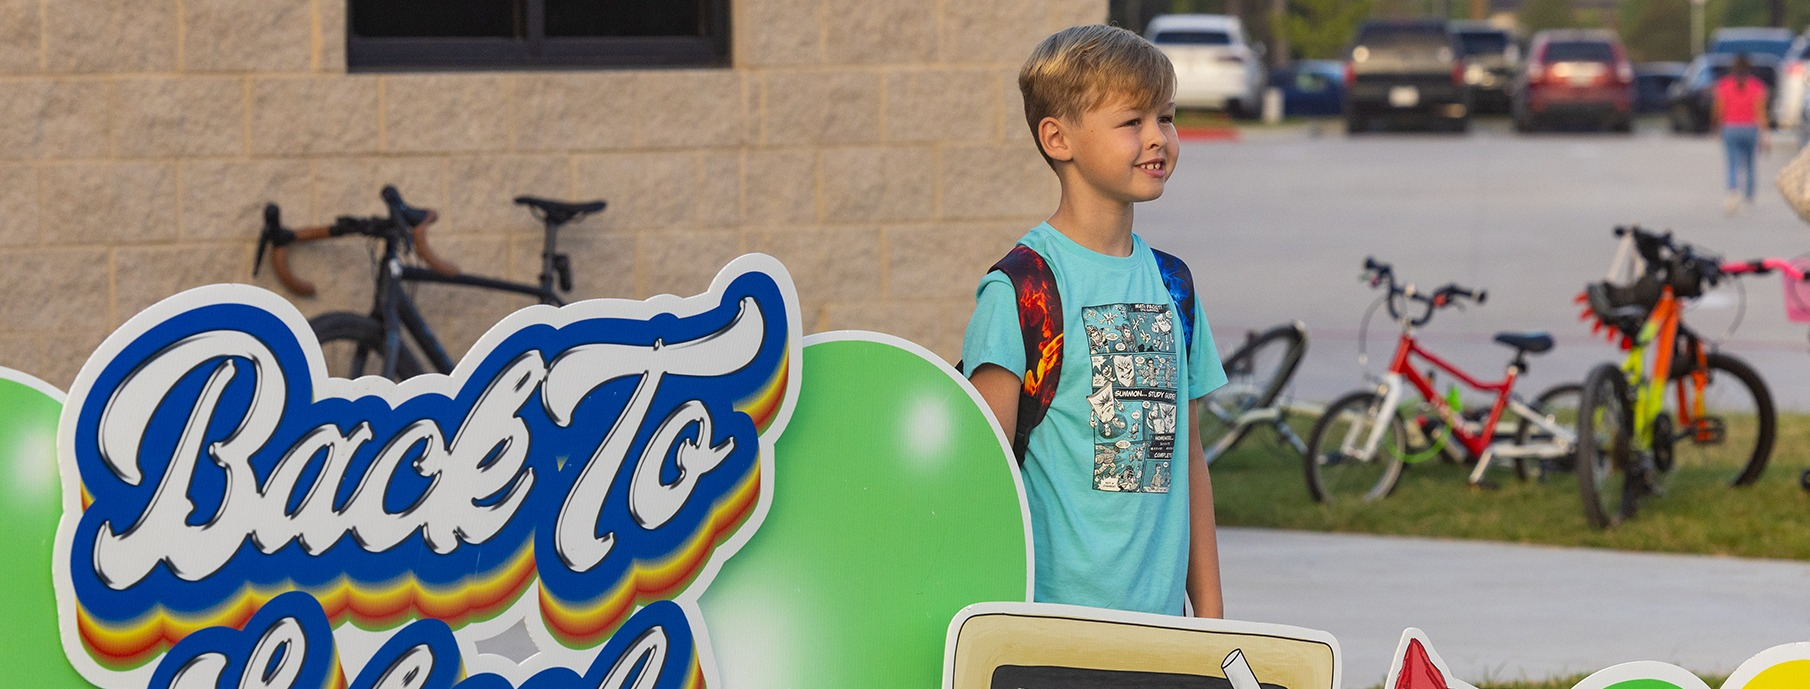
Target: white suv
<point>1214,67</point>
<point>1788,101</point>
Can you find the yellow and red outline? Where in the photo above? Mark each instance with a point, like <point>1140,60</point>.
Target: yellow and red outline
<point>577,624</point>
<point>388,605</point>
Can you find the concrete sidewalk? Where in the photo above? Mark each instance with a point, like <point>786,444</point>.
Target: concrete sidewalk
<point>1499,611</point>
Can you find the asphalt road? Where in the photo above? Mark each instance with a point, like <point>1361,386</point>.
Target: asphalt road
<point>1499,612</point>
<point>1276,227</point>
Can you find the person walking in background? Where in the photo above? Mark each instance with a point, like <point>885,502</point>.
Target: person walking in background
<point>1740,110</point>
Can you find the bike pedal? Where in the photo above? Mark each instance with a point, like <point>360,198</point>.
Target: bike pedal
<point>1709,431</point>
<point>1645,475</point>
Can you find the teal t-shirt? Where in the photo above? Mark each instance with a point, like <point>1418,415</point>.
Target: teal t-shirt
<point>1106,472</point>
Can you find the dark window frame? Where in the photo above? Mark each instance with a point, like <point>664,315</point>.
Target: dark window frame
<point>538,51</point>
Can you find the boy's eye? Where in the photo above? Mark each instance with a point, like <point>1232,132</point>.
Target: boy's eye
<point>1166,119</point>
<point>1133,122</point>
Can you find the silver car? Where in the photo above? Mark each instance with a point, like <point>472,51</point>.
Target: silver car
<point>1788,103</point>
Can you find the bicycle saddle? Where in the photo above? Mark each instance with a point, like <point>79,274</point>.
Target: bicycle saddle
<point>1532,343</point>
<point>560,211</point>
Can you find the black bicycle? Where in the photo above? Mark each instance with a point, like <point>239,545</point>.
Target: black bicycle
<point>372,344</point>
<point>1256,374</point>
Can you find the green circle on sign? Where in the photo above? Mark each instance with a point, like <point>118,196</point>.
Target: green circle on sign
<point>894,506</point>
<point>30,504</point>
<point>1643,684</point>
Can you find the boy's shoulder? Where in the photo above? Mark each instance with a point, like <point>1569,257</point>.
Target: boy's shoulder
<point>1034,265</point>
<point>1047,240</point>
<point>1043,249</point>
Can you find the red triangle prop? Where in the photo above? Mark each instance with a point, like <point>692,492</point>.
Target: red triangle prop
<point>1417,671</point>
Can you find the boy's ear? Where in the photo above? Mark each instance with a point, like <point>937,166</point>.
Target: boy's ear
<point>1052,135</point>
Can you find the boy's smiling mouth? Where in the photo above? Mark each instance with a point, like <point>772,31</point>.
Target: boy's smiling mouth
<point>1154,167</point>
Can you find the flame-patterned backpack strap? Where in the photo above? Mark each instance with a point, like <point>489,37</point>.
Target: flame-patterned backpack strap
<point>1180,283</point>
<point>1040,319</point>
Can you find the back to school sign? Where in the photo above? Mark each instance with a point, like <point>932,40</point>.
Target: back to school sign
<point>680,492</point>
<point>233,517</point>
<point>227,506</point>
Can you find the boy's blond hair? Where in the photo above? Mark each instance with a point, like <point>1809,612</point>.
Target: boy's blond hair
<point>1083,67</point>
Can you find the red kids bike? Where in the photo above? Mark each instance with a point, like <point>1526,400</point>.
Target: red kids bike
<point>1358,447</point>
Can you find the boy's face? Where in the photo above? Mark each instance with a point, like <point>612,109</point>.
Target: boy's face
<point>1121,151</point>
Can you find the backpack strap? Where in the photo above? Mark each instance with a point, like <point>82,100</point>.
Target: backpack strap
<point>1040,320</point>
<point>1180,283</point>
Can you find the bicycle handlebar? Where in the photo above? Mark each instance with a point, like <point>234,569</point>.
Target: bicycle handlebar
<point>278,238</point>
<point>1661,251</point>
<point>1763,266</point>
<point>402,216</point>
<point>417,220</point>
<point>1379,273</point>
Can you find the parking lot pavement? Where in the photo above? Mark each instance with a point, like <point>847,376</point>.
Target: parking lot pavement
<point>1502,612</point>
<point>1276,227</point>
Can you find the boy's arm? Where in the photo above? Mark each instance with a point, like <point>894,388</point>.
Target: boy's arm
<point>1203,539</point>
<point>1000,388</point>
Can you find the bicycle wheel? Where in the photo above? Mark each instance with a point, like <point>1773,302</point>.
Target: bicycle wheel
<point>352,345</point>
<point>1605,426</point>
<point>1335,470</point>
<point>1255,375</point>
<point>1562,403</point>
<point>1734,437</point>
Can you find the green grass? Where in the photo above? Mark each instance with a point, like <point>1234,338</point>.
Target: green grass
<point>1558,683</point>
<point>1261,484</point>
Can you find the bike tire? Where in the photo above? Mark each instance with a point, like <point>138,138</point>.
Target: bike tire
<point>1562,402</point>
<point>1605,424</point>
<point>1255,375</point>
<point>352,346</point>
<point>1734,392</point>
<point>1333,476</point>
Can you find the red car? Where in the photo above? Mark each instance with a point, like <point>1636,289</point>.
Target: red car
<point>1575,74</point>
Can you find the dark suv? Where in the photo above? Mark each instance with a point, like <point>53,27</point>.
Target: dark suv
<point>1397,69</point>
<point>1491,59</point>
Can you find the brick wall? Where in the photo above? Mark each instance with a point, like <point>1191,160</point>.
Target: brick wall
<point>877,148</point>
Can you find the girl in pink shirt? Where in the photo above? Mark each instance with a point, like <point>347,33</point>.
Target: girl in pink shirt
<point>1740,109</point>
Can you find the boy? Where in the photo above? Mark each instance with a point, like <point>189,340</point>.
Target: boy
<point>1121,503</point>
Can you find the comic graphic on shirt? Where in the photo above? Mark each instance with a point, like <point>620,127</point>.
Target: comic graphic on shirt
<point>1134,361</point>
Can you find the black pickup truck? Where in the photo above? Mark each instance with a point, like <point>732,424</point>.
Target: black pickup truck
<point>1399,70</point>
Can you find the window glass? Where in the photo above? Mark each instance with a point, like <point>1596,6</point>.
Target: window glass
<point>625,18</point>
<point>1308,82</point>
<point>1421,46</point>
<point>1751,47</point>
<point>1192,38</point>
<point>1404,39</point>
<point>436,18</point>
<point>533,34</point>
<point>1483,42</point>
<point>1579,51</point>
